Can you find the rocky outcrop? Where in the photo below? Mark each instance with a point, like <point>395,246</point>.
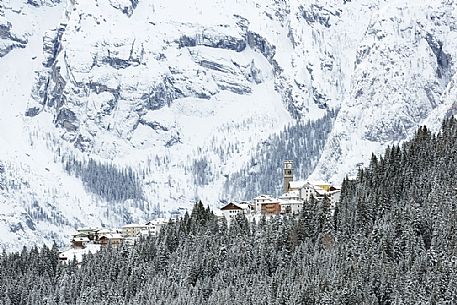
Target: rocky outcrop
<point>125,6</point>
<point>9,47</point>
<point>254,74</point>
<point>443,60</point>
<point>67,119</point>
<point>67,85</point>
<point>160,95</point>
<point>8,40</point>
<point>402,77</point>
<point>32,111</point>
<point>38,3</point>
<point>213,39</point>
<point>318,14</point>
<point>52,45</point>
<point>259,43</point>
<point>154,125</point>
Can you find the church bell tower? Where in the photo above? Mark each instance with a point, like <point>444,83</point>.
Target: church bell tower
<point>288,174</point>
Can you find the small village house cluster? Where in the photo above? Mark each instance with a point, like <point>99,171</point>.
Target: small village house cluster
<point>291,202</point>
<point>91,240</point>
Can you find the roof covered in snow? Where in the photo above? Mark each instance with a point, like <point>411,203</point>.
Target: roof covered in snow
<point>77,254</point>
<point>297,184</point>
<point>290,194</point>
<point>134,225</point>
<point>234,206</point>
<point>290,201</point>
<point>104,231</point>
<point>112,236</point>
<point>82,239</point>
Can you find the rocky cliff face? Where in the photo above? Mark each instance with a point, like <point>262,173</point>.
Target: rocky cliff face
<point>403,74</point>
<point>179,92</point>
<point>111,67</point>
<point>9,40</point>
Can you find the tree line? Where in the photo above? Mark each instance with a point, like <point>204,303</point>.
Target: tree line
<point>391,241</point>
<point>300,142</point>
<point>106,180</point>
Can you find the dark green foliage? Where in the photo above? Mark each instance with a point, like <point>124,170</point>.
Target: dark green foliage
<point>301,143</point>
<point>106,180</point>
<point>392,241</point>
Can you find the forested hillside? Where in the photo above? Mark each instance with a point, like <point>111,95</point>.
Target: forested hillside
<point>300,142</point>
<point>104,179</point>
<point>392,241</point>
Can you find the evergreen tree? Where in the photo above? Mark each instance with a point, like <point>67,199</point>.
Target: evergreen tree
<point>391,241</point>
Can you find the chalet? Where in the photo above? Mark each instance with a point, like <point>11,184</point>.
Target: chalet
<point>77,254</point>
<point>88,232</point>
<point>291,203</point>
<point>155,225</point>
<point>101,232</point>
<point>232,209</point>
<point>322,185</point>
<point>132,230</point>
<point>304,189</point>
<point>79,242</point>
<point>267,205</point>
<point>150,228</point>
<point>319,193</point>
<point>291,206</point>
<point>115,240</point>
<point>129,241</point>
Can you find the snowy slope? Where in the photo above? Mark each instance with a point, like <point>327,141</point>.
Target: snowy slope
<point>38,202</point>
<point>404,76</point>
<point>158,85</point>
<point>183,91</point>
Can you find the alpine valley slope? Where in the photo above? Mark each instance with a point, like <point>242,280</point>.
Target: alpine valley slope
<point>157,86</point>
<point>38,202</point>
<point>404,76</point>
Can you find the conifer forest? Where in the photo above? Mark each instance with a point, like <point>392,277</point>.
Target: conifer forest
<point>391,240</point>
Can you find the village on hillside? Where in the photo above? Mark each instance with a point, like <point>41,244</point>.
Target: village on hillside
<point>91,240</point>
<point>291,202</point>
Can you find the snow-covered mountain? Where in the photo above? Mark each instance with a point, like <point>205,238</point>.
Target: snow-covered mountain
<point>404,76</point>
<point>165,87</point>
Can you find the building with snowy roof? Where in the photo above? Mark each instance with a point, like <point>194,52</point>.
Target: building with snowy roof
<point>78,254</point>
<point>79,242</point>
<point>267,205</point>
<point>307,189</point>
<point>291,203</point>
<point>113,239</point>
<point>133,229</point>
<point>230,210</point>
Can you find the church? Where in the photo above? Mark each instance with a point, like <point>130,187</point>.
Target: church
<point>295,195</point>
<point>302,190</point>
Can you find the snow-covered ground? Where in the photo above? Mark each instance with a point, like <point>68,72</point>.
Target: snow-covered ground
<point>404,77</point>
<point>161,86</point>
<point>77,255</point>
<point>38,187</point>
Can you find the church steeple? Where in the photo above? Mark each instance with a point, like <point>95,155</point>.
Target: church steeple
<point>288,174</point>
